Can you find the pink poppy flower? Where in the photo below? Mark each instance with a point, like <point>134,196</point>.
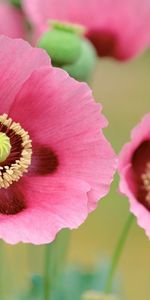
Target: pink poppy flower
<point>58,164</point>
<point>11,21</point>
<point>134,169</point>
<point>119,29</point>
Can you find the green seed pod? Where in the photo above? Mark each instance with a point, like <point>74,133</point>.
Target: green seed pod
<point>64,47</point>
<point>84,66</point>
<point>68,49</point>
<point>5,146</point>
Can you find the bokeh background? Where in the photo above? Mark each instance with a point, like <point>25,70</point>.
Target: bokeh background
<point>124,91</point>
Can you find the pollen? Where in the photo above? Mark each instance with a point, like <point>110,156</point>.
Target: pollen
<point>146,182</point>
<point>19,154</point>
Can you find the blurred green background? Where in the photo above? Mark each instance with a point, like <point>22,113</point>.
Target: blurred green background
<point>124,91</point>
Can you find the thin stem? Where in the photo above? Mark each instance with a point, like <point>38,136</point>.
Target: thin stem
<point>47,281</point>
<point>55,254</point>
<point>117,254</point>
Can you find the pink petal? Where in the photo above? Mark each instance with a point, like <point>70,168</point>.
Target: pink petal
<point>139,210</point>
<point>129,169</point>
<point>138,135</point>
<point>61,114</point>
<point>51,204</point>
<point>117,28</point>
<point>18,60</point>
<point>12,22</point>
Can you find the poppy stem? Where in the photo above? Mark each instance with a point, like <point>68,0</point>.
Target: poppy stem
<point>47,277</point>
<point>55,255</point>
<point>117,254</point>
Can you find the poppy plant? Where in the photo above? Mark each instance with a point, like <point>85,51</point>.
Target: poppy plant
<point>134,169</point>
<point>55,163</point>
<point>118,29</point>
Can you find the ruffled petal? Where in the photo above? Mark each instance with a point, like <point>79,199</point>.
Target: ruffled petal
<point>139,134</point>
<point>18,60</point>
<point>51,204</point>
<point>61,115</point>
<point>128,188</point>
<point>132,163</point>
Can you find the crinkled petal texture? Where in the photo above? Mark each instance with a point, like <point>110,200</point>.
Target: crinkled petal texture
<point>12,21</point>
<point>72,163</point>
<point>50,205</point>
<point>119,29</point>
<point>133,161</point>
<point>17,61</point>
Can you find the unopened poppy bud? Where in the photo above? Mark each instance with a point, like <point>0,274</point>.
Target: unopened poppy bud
<point>62,43</point>
<point>69,50</point>
<point>83,68</point>
<point>92,295</point>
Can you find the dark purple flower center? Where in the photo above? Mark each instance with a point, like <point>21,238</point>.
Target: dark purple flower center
<point>12,201</point>
<point>18,161</point>
<point>141,172</point>
<point>13,164</point>
<point>104,41</point>
<point>44,161</point>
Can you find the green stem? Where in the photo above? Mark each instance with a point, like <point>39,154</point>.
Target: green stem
<point>47,281</point>
<point>117,254</point>
<point>55,254</point>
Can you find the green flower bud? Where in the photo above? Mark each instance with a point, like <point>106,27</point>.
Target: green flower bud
<point>69,50</point>
<point>84,66</point>
<point>64,47</point>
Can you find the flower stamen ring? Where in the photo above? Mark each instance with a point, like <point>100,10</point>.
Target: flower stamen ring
<point>15,151</point>
<point>146,182</point>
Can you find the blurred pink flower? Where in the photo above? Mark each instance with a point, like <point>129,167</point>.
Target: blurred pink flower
<point>55,133</point>
<point>120,29</point>
<point>11,21</point>
<point>134,169</point>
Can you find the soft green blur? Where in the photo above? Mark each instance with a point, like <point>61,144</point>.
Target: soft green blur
<point>124,91</point>
<point>69,50</point>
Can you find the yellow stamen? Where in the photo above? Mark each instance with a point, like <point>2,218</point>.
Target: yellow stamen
<point>9,174</point>
<point>146,182</point>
